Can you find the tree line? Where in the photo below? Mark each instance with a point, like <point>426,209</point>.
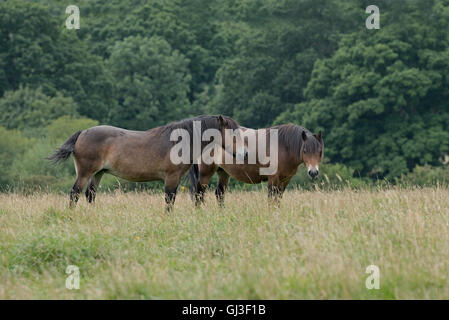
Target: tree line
<point>381,97</point>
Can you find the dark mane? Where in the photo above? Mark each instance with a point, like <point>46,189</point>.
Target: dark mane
<point>290,137</point>
<point>207,122</point>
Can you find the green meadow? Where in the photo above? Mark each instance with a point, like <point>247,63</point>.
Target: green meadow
<point>317,245</point>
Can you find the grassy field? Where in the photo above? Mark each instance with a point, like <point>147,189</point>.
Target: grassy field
<point>316,246</point>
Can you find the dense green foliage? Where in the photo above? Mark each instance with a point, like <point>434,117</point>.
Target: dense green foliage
<point>28,108</point>
<point>381,97</point>
<point>152,82</point>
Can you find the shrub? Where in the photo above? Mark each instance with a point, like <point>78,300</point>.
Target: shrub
<point>62,128</point>
<point>12,146</point>
<point>332,176</point>
<point>28,108</point>
<point>32,171</point>
<point>426,176</point>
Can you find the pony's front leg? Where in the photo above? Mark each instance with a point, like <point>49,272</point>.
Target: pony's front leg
<point>171,187</point>
<point>274,195</point>
<point>274,191</point>
<point>205,174</point>
<point>283,185</point>
<point>199,195</point>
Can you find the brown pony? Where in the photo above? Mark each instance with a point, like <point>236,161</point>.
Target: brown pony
<point>296,145</point>
<point>133,155</point>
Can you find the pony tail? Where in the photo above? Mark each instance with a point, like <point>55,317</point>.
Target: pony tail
<point>64,152</point>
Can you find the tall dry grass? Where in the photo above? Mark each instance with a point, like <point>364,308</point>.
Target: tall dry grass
<point>316,246</point>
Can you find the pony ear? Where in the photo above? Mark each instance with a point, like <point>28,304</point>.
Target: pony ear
<point>222,121</point>
<point>318,136</point>
<point>304,136</point>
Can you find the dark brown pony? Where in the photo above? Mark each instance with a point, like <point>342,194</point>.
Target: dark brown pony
<point>132,155</point>
<point>296,145</point>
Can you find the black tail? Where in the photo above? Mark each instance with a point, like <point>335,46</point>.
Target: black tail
<point>194,179</point>
<point>63,153</point>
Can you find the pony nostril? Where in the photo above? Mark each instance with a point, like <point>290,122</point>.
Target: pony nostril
<point>313,173</point>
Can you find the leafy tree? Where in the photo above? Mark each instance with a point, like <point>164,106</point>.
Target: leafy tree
<point>275,57</point>
<point>188,26</point>
<point>36,50</point>
<point>383,98</point>
<point>152,82</point>
<point>63,127</point>
<point>28,108</point>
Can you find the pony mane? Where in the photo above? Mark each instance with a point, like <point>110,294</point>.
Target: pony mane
<point>207,122</point>
<point>289,136</point>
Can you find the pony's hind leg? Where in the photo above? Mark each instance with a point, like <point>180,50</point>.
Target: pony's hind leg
<point>79,185</point>
<point>171,187</point>
<point>91,190</point>
<point>223,181</point>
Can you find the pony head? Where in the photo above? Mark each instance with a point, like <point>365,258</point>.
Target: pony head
<point>312,152</point>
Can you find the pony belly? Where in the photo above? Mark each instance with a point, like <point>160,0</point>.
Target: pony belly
<point>131,165</point>
<point>245,173</point>
<point>137,176</point>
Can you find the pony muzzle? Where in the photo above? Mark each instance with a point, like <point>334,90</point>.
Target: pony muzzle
<point>313,172</point>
